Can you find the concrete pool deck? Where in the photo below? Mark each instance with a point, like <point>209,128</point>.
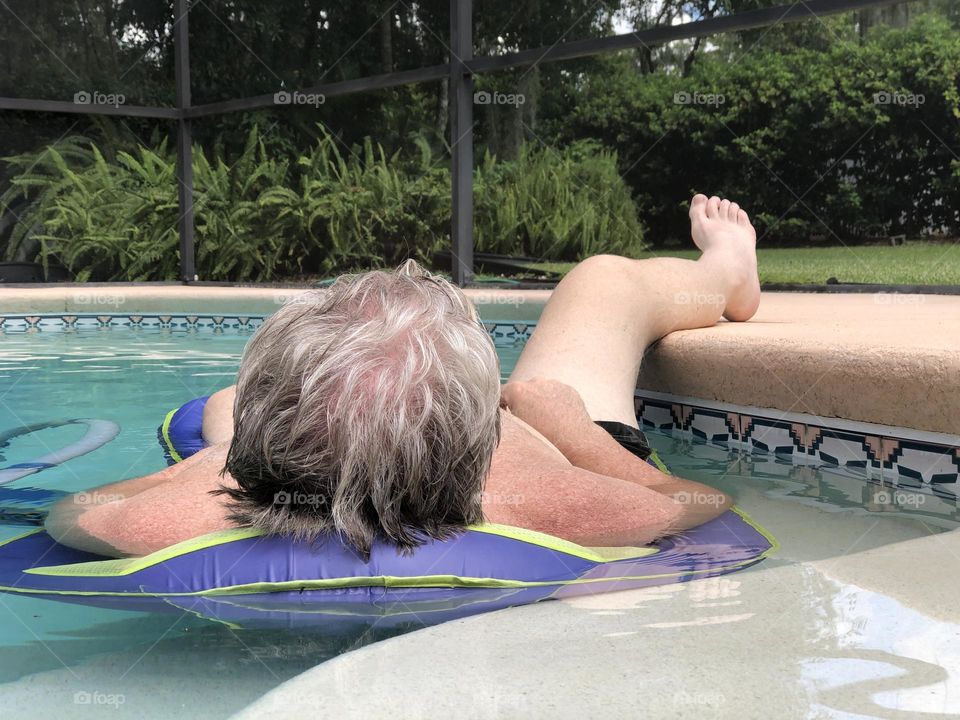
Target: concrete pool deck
<point>880,358</point>
<point>632,654</point>
<point>884,358</point>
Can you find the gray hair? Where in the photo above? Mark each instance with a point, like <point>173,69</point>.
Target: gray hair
<point>370,409</point>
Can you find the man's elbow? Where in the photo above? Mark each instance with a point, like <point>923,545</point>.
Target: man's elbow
<point>62,519</point>
<point>75,524</point>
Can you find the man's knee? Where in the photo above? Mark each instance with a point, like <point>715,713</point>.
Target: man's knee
<point>603,265</point>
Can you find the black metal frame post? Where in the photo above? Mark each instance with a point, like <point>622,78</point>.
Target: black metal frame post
<point>461,140</point>
<point>181,50</point>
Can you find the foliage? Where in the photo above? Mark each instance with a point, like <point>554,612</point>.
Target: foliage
<point>799,138</point>
<point>850,140</point>
<point>267,215</point>
<point>561,204</point>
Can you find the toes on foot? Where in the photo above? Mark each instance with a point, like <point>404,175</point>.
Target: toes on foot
<point>743,218</point>
<point>713,207</point>
<point>698,205</point>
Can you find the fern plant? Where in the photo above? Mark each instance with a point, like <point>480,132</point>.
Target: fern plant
<point>267,215</point>
<point>561,204</point>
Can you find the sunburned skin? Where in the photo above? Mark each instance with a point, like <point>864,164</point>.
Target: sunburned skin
<point>531,484</point>
<point>554,470</point>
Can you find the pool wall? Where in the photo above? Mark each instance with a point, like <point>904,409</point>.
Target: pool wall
<point>893,457</point>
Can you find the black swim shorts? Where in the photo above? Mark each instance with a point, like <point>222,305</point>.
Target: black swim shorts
<point>631,438</point>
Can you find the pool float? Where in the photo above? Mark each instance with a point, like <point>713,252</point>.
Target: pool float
<point>244,578</point>
<point>181,433</point>
<point>99,433</point>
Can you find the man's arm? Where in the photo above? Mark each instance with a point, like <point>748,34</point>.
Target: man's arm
<point>556,411</point>
<point>139,516</point>
<point>532,485</point>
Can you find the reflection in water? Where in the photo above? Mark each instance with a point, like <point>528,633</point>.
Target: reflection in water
<point>889,661</point>
<point>808,645</point>
<point>830,489</point>
<point>779,636</point>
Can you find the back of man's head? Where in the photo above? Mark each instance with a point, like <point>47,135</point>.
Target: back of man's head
<point>371,409</point>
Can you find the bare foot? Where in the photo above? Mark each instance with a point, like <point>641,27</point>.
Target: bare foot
<point>724,233</point>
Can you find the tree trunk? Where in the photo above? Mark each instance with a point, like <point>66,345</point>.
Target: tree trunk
<point>493,129</point>
<point>530,89</point>
<point>688,60</point>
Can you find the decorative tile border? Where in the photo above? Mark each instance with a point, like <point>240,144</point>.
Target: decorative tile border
<point>512,332</point>
<point>501,332</point>
<point>59,323</point>
<point>896,457</point>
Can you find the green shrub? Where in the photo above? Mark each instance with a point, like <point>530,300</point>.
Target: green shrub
<point>799,137</point>
<point>268,216</point>
<point>562,204</point>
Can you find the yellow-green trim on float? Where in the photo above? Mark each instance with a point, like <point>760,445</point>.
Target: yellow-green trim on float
<point>774,543</point>
<point>128,566</point>
<point>165,434</point>
<point>385,581</point>
<point>551,542</point>
<point>122,567</point>
<point>655,459</point>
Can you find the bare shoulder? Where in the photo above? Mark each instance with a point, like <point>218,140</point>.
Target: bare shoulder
<point>218,416</point>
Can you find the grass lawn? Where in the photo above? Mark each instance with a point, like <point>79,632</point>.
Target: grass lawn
<point>910,264</point>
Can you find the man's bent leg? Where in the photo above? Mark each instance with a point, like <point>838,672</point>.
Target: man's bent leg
<point>608,310</point>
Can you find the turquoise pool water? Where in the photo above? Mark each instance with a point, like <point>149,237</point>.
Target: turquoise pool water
<point>83,659</point>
